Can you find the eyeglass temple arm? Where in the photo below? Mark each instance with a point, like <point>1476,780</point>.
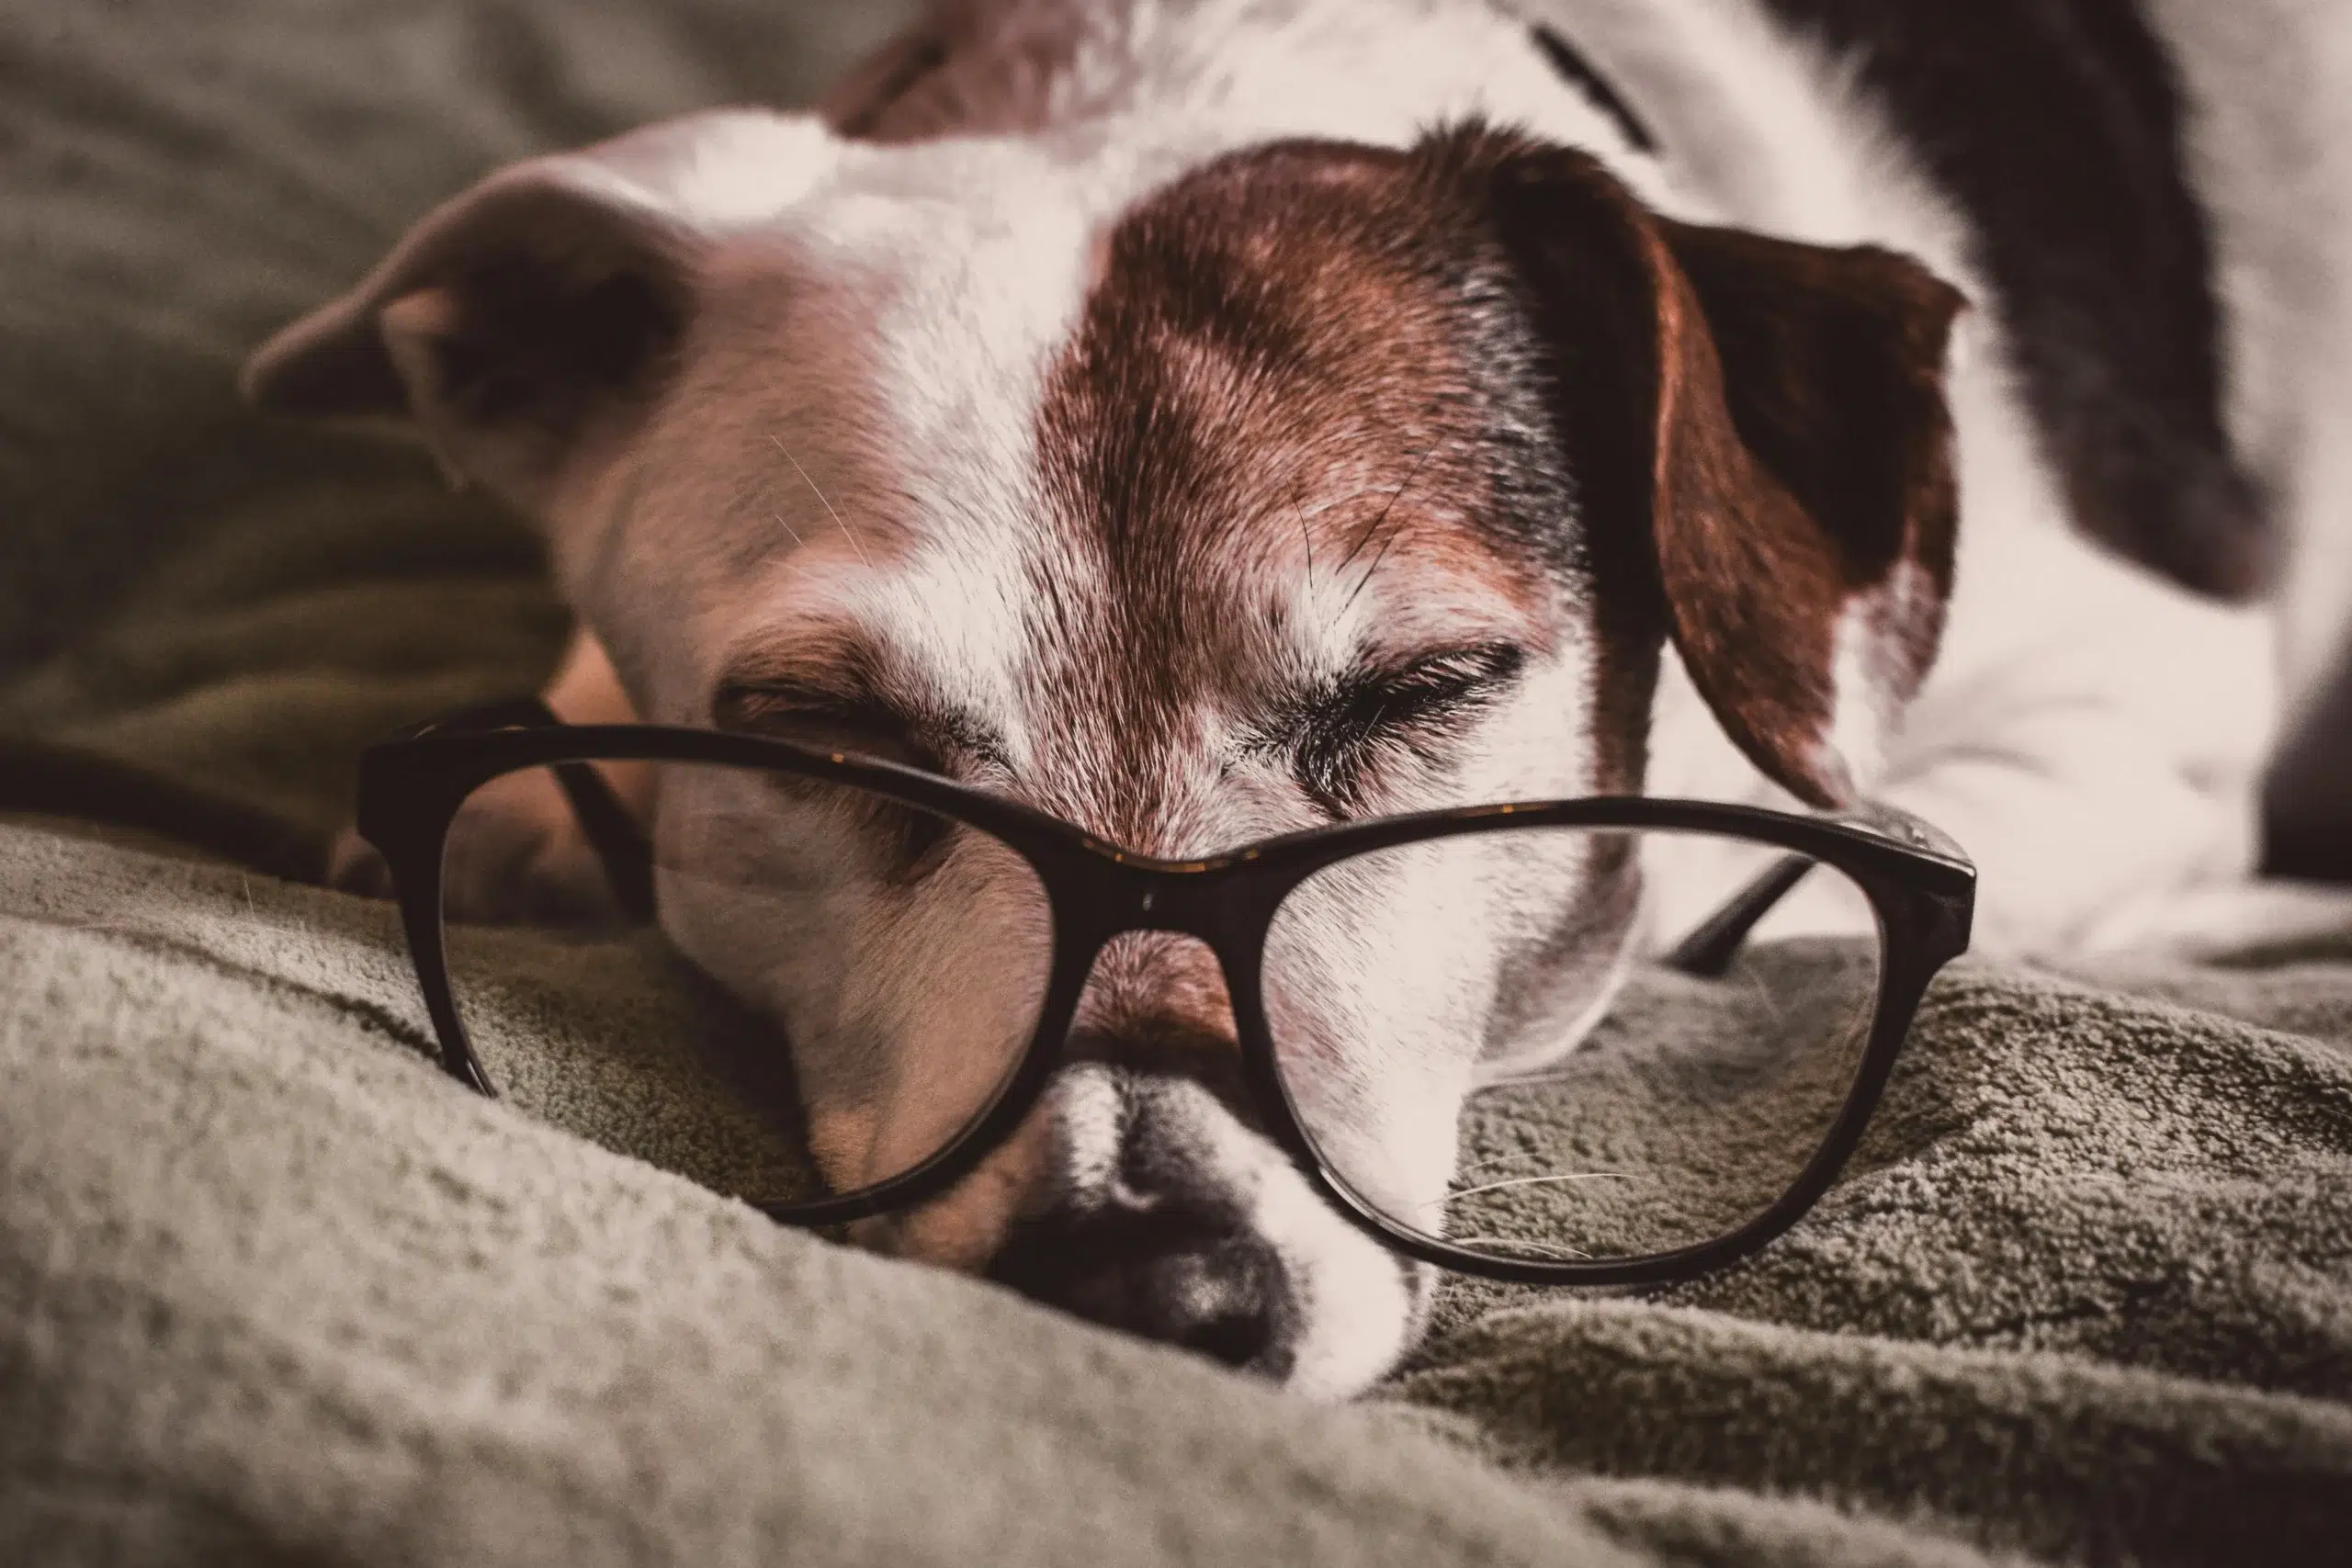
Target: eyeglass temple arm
<point>1709,948</point>
<point>611,829</point>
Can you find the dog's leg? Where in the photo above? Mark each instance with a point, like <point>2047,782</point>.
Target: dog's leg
<point>2081,827</point>
<point>2093,735</point>
<point>517,852</point>
<point>2094,834</point>
<point>2231,921</point>
<point>2093,740</point>
<point>587,690</point>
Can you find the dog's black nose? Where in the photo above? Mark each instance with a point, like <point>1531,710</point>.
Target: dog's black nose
<point>1142,1228</point>
<point>1184,1278</point>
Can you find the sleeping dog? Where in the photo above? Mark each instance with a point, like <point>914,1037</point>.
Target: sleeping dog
<point>1200,419</point>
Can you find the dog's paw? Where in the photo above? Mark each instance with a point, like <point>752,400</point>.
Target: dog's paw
<point>355,866</point>
<point>514,856</point>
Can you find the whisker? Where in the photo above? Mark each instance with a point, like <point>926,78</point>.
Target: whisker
<point>1371,572</point>
<point>105,928</point>
<point>1765,997</point>
<point>1306,538</point>
<point>1457,1197</point>
<point>838,520</point>
<point>1377,525</point>
<point>1557,1252</point>
<point>1390,505</point>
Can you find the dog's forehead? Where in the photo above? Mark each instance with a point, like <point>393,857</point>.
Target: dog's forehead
<point>854,449</point>
<point>1274,430</point>
<point>1141,438</point>
<point>1292,350</point>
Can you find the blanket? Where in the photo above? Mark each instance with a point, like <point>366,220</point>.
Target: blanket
<point>271,1289</point>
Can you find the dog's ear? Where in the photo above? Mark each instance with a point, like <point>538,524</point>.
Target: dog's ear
<point>1793,480</point>
<point>527,322</point>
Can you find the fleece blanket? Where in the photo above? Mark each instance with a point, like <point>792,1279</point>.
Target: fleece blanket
<point>273,1290</point>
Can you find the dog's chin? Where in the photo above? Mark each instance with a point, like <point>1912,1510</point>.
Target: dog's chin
<point>1357,1307</point>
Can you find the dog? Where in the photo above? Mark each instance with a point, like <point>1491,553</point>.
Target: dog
<point>1201,419</point>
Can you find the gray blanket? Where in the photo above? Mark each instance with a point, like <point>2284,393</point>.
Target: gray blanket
<point>272,1289</point>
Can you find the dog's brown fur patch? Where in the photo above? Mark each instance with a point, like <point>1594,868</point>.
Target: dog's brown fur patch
<point>1276,370</point>
<point>1789,400</point>
<point>1485,362</point>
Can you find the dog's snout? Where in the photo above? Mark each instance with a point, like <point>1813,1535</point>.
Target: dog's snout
<point>1145,1225</point>
<point>1187,1277</point>
<point>1163,1051</point>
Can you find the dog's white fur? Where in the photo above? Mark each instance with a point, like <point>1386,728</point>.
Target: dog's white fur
<point>2091,734</point>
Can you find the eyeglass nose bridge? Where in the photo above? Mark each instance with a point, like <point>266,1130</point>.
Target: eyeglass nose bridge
<point>1194,899</point>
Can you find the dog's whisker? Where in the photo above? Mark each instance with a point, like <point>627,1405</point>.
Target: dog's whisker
<point>1371,572</point>
<point>839,520</point>
<point>1557,1251</point>
<point>1377,525</point>
<point>1457,1195</point>
<point>1381,518</point>
<point>106,928</point>
<point>1306,538</point>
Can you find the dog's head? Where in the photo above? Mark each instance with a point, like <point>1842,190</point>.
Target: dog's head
<point>1191,499</point>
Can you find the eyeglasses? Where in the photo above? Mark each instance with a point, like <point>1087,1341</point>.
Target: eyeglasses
<point>1399,988</point>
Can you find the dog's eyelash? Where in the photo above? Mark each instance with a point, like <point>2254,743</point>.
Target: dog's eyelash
<point>813,714</point>
<point>857,721</point>
<point>909,843</point>
<point>1414,708</point>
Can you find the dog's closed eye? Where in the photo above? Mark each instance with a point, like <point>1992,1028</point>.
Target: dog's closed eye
<point>1339,736</point>
<point>836,718</point>
<point>909,842</point>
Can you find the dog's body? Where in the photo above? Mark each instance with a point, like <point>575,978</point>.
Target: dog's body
<point>1068,364</point>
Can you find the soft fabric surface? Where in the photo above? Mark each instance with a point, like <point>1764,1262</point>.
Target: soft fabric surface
<point>272,1289</point>
<point>270,1282</point>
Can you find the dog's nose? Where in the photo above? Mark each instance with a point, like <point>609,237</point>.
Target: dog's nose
<point>1188,1279</point>
<point>1143,1227</point>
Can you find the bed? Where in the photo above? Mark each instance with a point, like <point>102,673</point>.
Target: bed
<point>273,1290</point>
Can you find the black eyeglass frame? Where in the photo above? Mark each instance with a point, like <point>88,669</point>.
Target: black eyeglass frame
<point>1920,884</point>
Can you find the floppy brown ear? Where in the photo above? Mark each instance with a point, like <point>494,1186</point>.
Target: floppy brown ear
<point>521,325</point>
<point>1799,490</point>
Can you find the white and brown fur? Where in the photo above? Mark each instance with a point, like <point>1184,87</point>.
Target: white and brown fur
<point>1201,420</point>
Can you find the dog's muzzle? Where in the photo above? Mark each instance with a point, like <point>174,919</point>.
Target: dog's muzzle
<point>1149,1219</point>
